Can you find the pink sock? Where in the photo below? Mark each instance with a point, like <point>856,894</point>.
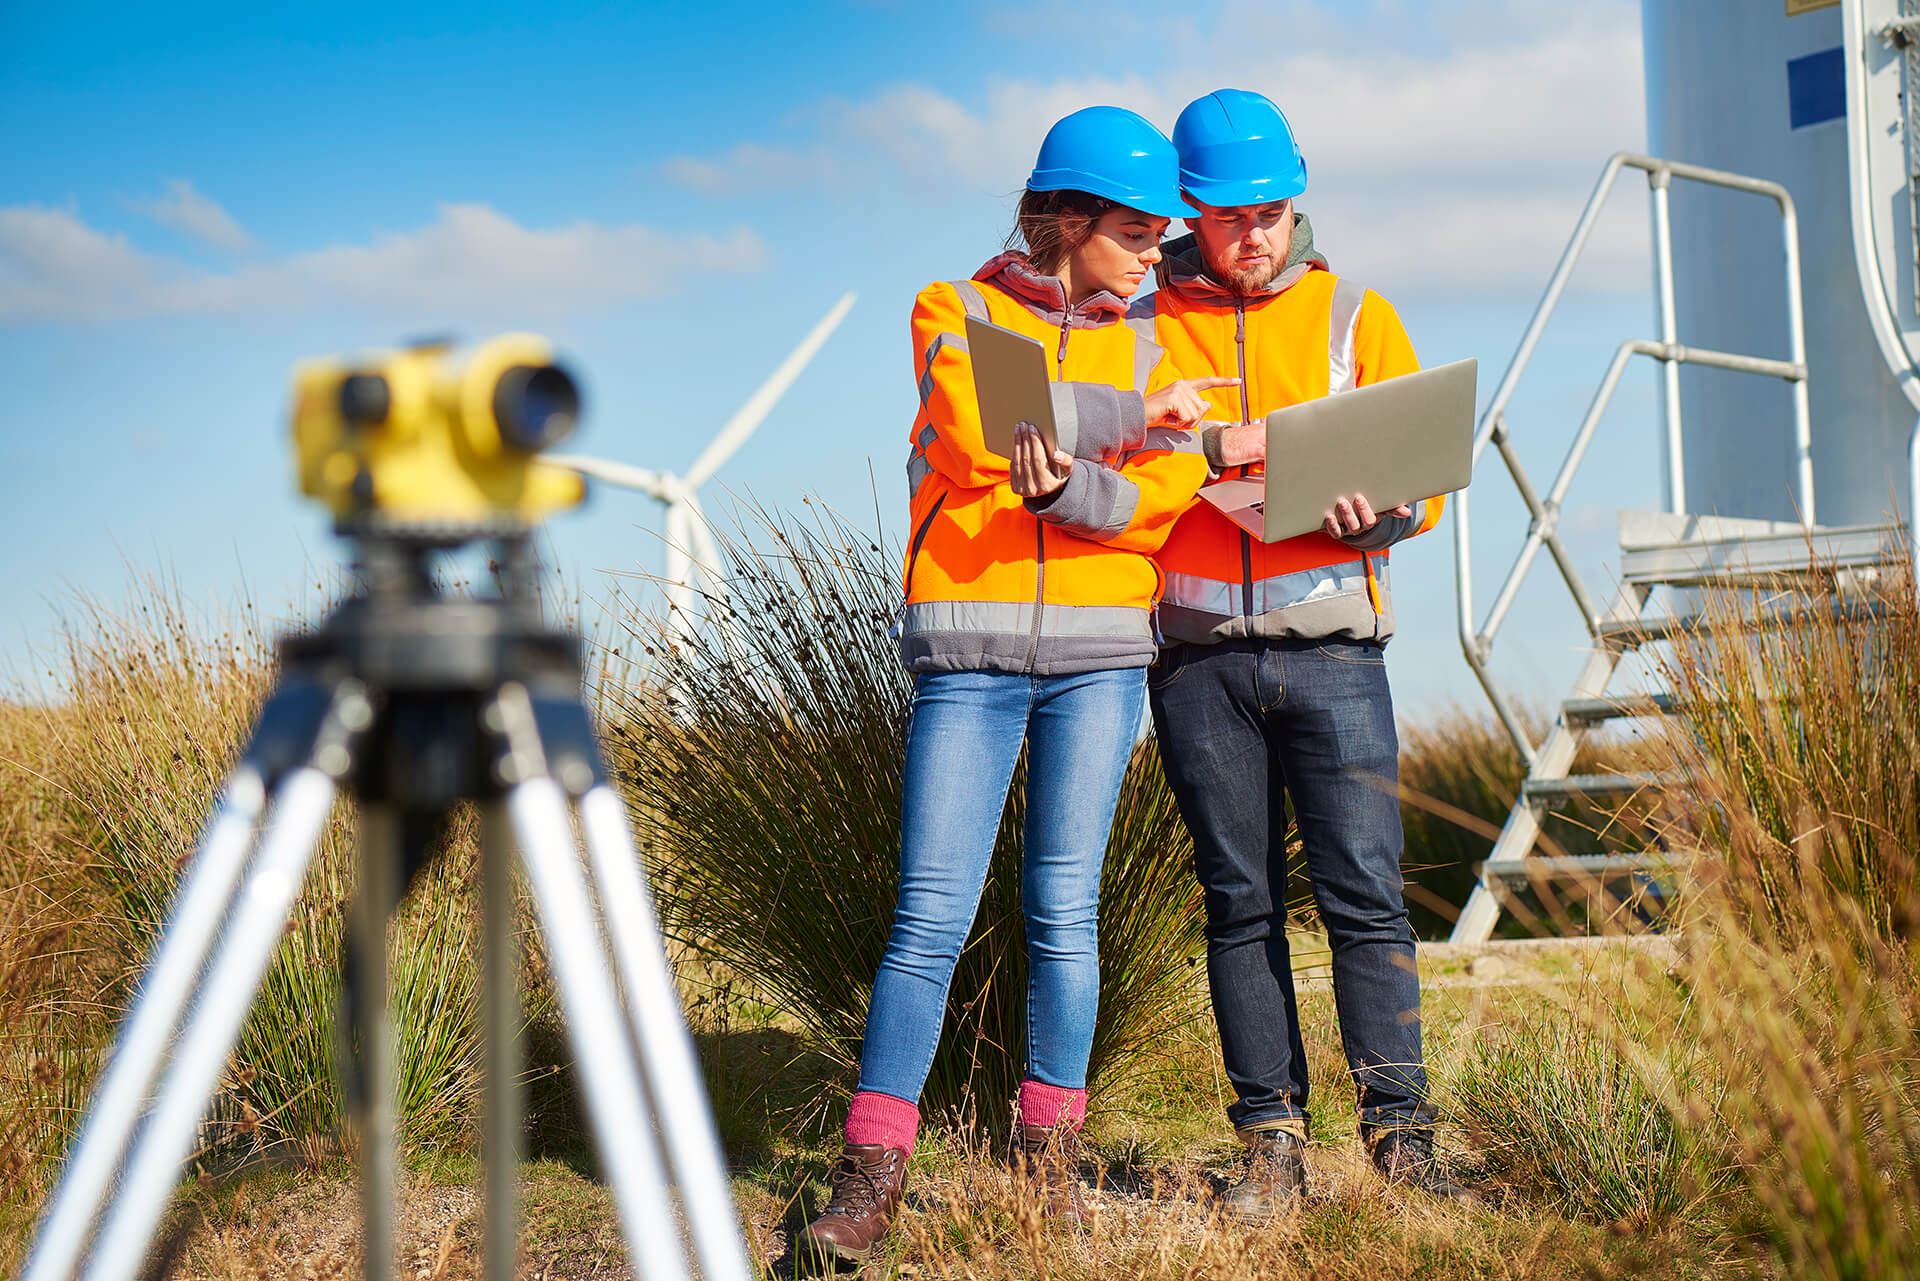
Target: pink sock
<point>883,1119</point>
<point>1048,1105</point>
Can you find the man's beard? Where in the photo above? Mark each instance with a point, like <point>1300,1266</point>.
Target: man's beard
<point>1247,281</point>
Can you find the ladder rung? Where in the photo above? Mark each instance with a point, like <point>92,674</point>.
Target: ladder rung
<point>1587,711</point>
<point>1550,790</point>
<point>1630,632</point>
<point>1541,866</point>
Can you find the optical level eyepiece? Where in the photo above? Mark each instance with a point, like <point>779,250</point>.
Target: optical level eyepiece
<point>365,399</point>
<point>535,406</point>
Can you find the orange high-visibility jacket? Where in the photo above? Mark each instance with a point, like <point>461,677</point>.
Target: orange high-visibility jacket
<point>1309,334</point>
<point>1042,586</point>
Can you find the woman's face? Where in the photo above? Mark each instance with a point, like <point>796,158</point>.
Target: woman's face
<point>1118,255</point>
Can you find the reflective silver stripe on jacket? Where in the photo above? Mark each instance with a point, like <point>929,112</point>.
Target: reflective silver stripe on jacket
<point>919,466</point>
<point>975,305</point>
<point>1146,357</point>
<point>1016,617</point>
<point>1279,591</point>
<point>1343,320</point>
<point>1141,314</point>
<point>972,299</point>
<point>940,341</point>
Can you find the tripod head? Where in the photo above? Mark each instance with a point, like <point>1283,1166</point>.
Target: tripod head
<point>418,443</point>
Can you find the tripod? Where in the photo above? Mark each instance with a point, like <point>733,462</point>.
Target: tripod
<point>413,702</point>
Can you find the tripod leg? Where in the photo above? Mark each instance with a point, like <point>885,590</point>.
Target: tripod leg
<point>667,1057</point>
<point>603,1052</point>
<point>259,917</point>
<point>165,988</point>
<point>380,872</point>
<point>500,986</point>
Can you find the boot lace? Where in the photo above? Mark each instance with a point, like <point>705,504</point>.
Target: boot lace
<point>857,1186</point>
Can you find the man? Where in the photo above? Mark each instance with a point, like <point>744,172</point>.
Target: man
<point>1272,686</point>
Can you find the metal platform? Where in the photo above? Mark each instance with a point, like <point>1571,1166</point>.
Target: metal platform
<point>1785,562</point>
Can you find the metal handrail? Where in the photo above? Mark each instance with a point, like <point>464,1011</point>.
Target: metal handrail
<point>1477,644</point>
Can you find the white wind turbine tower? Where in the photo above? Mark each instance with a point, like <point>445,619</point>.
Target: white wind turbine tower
<point>690,546</point>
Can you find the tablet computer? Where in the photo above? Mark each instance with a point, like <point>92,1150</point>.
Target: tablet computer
<point>1396,441</point>
<point>1010,381</point>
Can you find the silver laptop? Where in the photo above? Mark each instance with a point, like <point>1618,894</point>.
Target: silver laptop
<point>1396,441</point>
<point>1010,381</point>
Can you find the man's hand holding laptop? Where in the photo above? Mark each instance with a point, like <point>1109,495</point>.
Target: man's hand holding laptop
<point>1355,515</point>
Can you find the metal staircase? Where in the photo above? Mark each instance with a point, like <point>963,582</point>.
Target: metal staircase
<point>1672,550</point>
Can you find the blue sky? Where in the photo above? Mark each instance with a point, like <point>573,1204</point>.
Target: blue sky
<point>195,197</point>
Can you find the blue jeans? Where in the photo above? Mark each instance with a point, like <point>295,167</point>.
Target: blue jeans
<point>962,743</point>
<point>1244,727</point>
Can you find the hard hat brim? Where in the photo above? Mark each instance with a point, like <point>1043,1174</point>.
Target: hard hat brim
<point>1235,194</point>
<point>1161,204</point>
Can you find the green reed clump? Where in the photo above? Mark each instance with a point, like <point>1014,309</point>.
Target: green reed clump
<point>1566,1111</point>
<point>764,760</point>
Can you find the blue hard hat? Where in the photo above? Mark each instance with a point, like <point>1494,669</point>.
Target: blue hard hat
<point>1115,153</point>
<point>1236,148</point>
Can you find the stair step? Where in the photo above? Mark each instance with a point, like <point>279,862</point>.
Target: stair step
<point>1589,711</point>
<point>1565,867</point>
<point>1696,562</point>
<point>1551,790</point>
<point>1632,632</point>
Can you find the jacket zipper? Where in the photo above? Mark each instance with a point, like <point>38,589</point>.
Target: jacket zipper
<point>1246,415</point>
<point>913,551</point>
<point>1040,526</point>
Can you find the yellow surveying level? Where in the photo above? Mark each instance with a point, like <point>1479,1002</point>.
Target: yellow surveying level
<point>419,437</point>
<point>414,700</point>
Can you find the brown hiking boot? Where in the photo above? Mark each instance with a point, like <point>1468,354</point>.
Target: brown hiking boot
<point>1275,1181</point>
<point>868,1182</point>
<point>1048,1161</point>
<point>1405,1156</point>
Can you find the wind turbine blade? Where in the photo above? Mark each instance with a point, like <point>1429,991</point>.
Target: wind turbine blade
<point>625,475</point>
<point>734,434</point>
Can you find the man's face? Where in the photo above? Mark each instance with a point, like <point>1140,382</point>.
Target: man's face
<point>1245,246</point>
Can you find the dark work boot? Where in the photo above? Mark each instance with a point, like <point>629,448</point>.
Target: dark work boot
<point>1048,1161</point>
<point>868,1182</point>
<point>1405,1156</point>
<point>1275,1181</point>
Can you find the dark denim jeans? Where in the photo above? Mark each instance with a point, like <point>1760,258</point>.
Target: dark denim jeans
<point>1244,727</point>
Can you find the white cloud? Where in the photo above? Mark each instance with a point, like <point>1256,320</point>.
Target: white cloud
<point>1444,149</point>
<point>187,211</point>
<point>53,266</point>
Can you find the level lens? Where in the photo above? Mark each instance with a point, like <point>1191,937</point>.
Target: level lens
<point>365,399</point>
<point>535,406</point>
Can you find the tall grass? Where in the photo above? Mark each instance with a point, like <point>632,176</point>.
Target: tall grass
<point>114,782</point>
<point>1801,747</point>
<point>765,765</point>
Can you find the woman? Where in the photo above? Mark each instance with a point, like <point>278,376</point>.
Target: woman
<point>1029,594</point>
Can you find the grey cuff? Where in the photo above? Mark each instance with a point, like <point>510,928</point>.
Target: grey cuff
<point>1096,503</point>
<point>1093,420</point>
<point>1390,530</point>
<point>1211,445</point>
